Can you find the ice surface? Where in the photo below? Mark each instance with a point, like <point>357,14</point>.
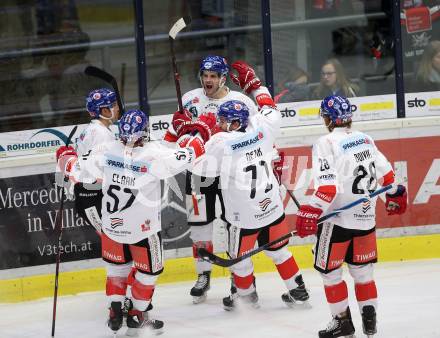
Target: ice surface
<point>409,306</point>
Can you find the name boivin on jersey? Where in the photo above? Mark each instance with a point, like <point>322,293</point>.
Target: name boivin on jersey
<point>350,161</point>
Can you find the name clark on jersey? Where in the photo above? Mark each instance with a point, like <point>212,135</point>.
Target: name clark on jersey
<point>124,180</point>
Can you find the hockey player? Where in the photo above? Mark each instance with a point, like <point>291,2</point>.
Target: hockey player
<point>202,193</point>
<point>102,106</point>
<point>347,165</point>
<point>130,171</point>
<point>241,156</point>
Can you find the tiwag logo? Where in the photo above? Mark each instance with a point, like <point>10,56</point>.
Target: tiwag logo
<point>264,203</point>
<point>39,146</point>
<point>248,142</point>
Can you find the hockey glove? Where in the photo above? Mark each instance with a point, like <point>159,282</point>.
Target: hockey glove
<point>180,119</point>
<point>246,78</point>
<point>202,126</point>
<point>307,220</point>
<point>66,157</point>
<point>182,142</point>
<point>396,203</point>
<point>196,148</point>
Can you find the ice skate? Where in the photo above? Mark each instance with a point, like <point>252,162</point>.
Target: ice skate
<point>200,289</point>
<point>138,320</point>
<point>228,302</point>
<point>128,305</point>
<point>115,318</point>
<point>369,321</point>
<point>251,300</point>
<point>298,295</point>
<point>340,326</point>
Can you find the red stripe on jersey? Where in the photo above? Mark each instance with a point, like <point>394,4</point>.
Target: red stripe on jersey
<point>116,286</point>
<point>130,278</point>
<point>170,137</point>
<point>243,282</point>
<point>264,100</point>
<point>365,291</point>
<point>208,245</point>
<point>326,193</point>
<point>288,268</point>
<point>142,292</point>
<point>336,293</point>
<point>195,204</point>
<point>388,178</point>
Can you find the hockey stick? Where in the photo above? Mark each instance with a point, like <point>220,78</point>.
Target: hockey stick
<point>177,27</point>
<point>58,230</point>
<point>292,196</point>
<point>225,263</point>
<point>110,79</point>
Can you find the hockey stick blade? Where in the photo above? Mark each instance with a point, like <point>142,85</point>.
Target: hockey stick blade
<point>178,26</point>
<point>110,79</point>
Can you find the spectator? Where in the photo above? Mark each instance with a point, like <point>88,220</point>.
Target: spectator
<point>294,88</point>
<point>428,73</point>
<point>334,81</point>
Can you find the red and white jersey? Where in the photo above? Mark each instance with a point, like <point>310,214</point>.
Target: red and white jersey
<point>243,161</point>
<point>350,161</point>
<point>131,205</point>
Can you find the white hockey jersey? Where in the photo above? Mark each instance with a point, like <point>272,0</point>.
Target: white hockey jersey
<point>131,205</point>
<point>243,161</point>
<point>350,161</point>
<point>197,103</point>
<point>93,135</point>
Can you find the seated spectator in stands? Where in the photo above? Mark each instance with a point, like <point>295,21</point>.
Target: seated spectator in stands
<point>428,73</point>
<point>294,88</point>
<point>334,81</point>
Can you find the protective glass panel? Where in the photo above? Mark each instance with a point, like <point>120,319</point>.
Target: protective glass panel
<point>324,47</point>
<point>231,29</point>
<point>45,46</point>
<point>420,26</point>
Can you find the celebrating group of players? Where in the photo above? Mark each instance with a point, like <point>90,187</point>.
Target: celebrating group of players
<point>225,143</point>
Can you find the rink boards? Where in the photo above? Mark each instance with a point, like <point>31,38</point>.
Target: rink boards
<point>412,145</point>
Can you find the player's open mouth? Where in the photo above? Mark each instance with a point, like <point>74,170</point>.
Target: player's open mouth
<point>208,86</point>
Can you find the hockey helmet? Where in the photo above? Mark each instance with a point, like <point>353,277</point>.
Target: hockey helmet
<point>99,98</point>
<point>234,111</point>
<point>133,126</point>
<point>214,63</point>
<point>337,109</point>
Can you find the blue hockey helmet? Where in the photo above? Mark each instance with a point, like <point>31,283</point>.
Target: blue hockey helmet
<point>133,126</point>
<point>337,109</point>
<point>99,98</point>
<point>234,111</point>
<point>214,63</point>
